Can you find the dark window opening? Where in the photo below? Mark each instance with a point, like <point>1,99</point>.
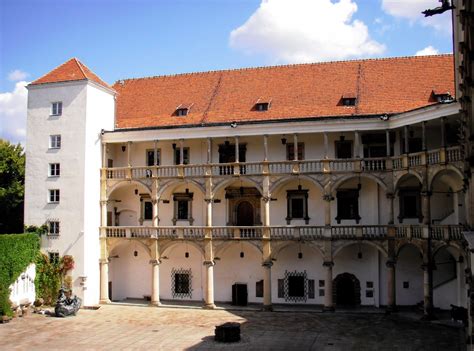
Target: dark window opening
<point>343,149</point>
<point>297,205</point>
<point>310,288</point>
<point>348,205</point>
<point>290,151</point>
<point>147,210</point>
<point>150,158</point>
<point>262,106</point>
<point>281,288</point>
<point>182,209</point>
<point>348,101</point>
<point>53,257</point>
<point>296,286</point>
<point>259,289</point>
<point>410,204</point>
<point>181,112</point>
<point>177,156</point>
<point>181,283</point>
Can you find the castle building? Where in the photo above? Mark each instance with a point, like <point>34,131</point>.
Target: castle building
<point>331,184</point>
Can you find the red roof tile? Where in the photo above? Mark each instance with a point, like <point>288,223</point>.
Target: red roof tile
<point>391,85</point>
<point>71,70</point>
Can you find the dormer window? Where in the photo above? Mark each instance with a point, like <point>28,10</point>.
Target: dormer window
<point>262,105</point>
<point>182,110</point>
<point>348,99</point>
<point>442,96</point>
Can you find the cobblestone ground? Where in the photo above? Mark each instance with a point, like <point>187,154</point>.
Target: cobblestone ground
<point>114,327</point>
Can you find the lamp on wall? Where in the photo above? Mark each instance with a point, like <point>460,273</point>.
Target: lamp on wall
<point>300,254</point>
<point>124,148</point>
<point>186,254</point>
<point>173,146</point>
<point>359,254</point>
<point>136,191</point>
<point>242,254</point>
<point>283,140</point>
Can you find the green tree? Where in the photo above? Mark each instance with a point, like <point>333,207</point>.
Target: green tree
<point>12,187</point>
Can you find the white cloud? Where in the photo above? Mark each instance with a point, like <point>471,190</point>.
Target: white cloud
<point>429,50</point>
<point>411,10</point>
<point>304,31</point>
<point>17,75</point>
<point>13,113</point>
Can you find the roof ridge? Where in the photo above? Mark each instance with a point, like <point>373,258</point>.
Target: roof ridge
<point>281,66</point>
<point>79,64</point>
<point>55,68</point>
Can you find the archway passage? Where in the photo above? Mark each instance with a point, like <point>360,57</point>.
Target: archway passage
<point>245,214</point>
<point>346,290</point>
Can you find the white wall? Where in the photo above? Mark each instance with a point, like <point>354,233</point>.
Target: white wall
<point>231,269</point>
<point>22,291</point>
<point>409,270</point>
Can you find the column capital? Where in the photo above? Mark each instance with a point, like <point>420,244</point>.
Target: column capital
<point>426,193</point>
<point>390,196</point>
<point>328,197</point>
<point>328,264</point>
<point>104,202</point>
<point>154,201</point>
<point>266,198</point>
<point>209,263</point>
<point>267,264</point>
<point>208,200</point>
<point>391,263</point>
<point>103,260</point>
<point>155,262</point>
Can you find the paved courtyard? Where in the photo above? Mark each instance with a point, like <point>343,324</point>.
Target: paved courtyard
<point>115,327</point>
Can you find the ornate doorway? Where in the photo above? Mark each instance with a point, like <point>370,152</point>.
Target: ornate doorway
<point>245,214</point>
<point>346,290</point>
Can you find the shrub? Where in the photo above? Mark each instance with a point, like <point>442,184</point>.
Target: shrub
<point>17,251</point>
<point>50,275</point>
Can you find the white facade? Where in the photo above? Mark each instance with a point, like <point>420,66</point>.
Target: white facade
<point>322,229</point>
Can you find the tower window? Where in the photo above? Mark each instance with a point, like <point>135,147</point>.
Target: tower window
<point>54,170</point>
<point>53,196</point>
<point>56,108</point>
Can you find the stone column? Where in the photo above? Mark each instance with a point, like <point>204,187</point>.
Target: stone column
<point>326,145</point>
<point>391,285</point>
<point>129,150</point>
<point>423,136</point>
<point>181,151</point>
<point>391,216</point>
<point>387,142</point>
<point>267,286</point>
<point>427,291</point>
<point>155,283</point>
<point>295,147</point>
<point>327,209</point>
<point>328,302</point>
<point>237,155</point>
<point>456,207</point>
<point>209,264</point>
<point>443,132</point>
<point>405,132</point>
<point>356,144</point>
<point>265,147</point>
<point>209,150</point>
<point>209,292</point>
<point>460,280</point>
<point>104,281</point>
<point>155,212</point>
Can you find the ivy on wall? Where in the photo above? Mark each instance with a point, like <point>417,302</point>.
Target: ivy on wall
<point>17,252</point>
<point>50,275</point>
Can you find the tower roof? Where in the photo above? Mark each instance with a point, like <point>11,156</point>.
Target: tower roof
<point>72,70</point>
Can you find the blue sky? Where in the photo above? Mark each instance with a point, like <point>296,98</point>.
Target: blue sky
<point>123,38</point>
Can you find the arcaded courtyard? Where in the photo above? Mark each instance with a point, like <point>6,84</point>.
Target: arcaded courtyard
<point>114,327</point>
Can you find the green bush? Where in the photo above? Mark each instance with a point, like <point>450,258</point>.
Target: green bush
<point>17,251</point>
<point>50,275</point>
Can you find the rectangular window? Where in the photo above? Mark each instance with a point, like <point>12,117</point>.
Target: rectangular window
<point>147,210</point>
<point>177,156</point>
<point>410,203</point>
<point>321,283</point>
<point>53,257</point>
<point>347,205</point>
<point>296,286</point>
<point>259,289</point>
<point>53,196</point>
<point>181,283</point>
<point>281,288</point>
<point>53,228</point>
<point>321,292</point>
<point>297,205</point>
<point>343,149</point>
<point>369,293</point>
<point>54,170</point>
<point>310,288</point>
<point>182,207</point>
<point>150,157</point>
<point>56,108</point>
<point>55,141</point>
<point>290,151</point>
<point>406,285</point>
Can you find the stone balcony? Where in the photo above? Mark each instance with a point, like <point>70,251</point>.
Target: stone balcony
<point>431,157</point>
<point>306,233</point>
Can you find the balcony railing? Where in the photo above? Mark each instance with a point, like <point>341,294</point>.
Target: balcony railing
<point>307,233</point>
<point>432,157</point>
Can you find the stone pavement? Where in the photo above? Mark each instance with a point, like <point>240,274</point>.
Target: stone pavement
<point>116,327</point>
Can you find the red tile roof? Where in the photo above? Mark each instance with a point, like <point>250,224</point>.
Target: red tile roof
<point>391,85</point>
<point>71,70</point>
